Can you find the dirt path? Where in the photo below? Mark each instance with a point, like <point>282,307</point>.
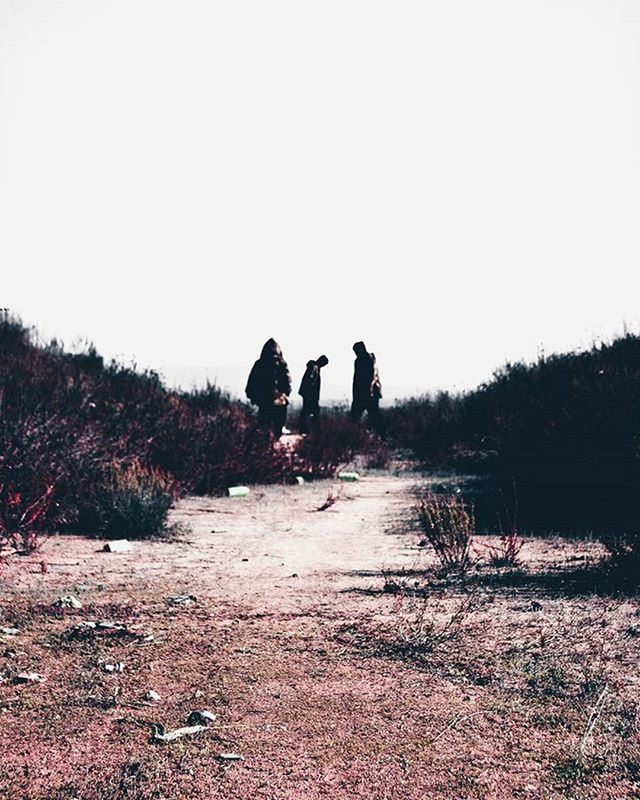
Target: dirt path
<point>256,545</point>
<point>277,644</point>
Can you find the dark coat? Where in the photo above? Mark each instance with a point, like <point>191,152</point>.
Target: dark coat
<point>366,381</point>
<point>310,386</point>
<point>269,380</point>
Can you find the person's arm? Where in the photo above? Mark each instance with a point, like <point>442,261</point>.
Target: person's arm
<point>304,386</point>
<point>285,379</point>
<point>251,390</point>
<point>376,385</point>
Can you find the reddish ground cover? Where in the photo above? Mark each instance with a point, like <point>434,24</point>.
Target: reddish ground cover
<point>327,686</point>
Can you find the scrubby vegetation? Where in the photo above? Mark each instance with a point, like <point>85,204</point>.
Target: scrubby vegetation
<point>334,443</point>
<point>449,527</point>
<point>105,449</point>
<point>558,441</point>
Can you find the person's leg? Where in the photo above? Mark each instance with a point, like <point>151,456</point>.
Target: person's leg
<point>279,416</point>
<point>375,417</point>
<point>304,418</point>
<point>264,416</point>
<point>313,411</point>
<point>357,409</point>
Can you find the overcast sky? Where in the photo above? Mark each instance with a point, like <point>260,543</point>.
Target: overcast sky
<point>457,183</point>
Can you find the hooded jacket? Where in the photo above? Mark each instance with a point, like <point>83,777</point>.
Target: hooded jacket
<point>269,380</point>
<point>310,386</point>
<point>366,381</point>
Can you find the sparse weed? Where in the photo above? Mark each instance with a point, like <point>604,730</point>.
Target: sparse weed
<point>449,527</point>
<point>507,552</point>
<point>423,626</point>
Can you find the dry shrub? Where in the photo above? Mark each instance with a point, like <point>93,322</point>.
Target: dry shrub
<point>423,624</point>
<point>507,552</point>
<point>449,527</point>
<point>624,557</point>
<point>29,476</point>
<point>71,427</point>
<point>564,430</point>
<point>133,501</point>
<point>334,443</point>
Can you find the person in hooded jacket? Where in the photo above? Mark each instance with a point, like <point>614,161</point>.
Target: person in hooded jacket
<point>269,387</point>
<point>310,393</point>
<point>367,389</point>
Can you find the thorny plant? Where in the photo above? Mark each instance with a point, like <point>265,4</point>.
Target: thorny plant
<point>449,527</point>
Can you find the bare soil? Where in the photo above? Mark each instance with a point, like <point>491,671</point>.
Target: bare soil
<point>339,664</point>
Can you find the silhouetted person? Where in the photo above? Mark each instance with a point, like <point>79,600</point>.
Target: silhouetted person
<point>310,393</point>
<point>367,389</point>
<point>269,387</point>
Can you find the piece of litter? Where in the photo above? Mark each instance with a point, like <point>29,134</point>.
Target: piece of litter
<point>231,757</point>
<point>118,667</point>
<point>294,575</point>
<point>160,735</point>
<point>299,480</point>
<point>29,677</point>
<point>9,631</point>
<point>117,546</point>
<point>201,718</point>
<point>152,696</point>
<point>239,491</point>
<point>181,599</point>
<point>348,476</point>
<point>68,601</point>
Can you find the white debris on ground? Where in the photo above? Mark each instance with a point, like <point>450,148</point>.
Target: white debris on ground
<point>202,720</point>
<point>118,546</point>
<point>29,677</point>
<point>68,601</point>
<point>181,599</point>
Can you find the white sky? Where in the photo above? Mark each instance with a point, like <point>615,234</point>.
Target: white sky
<point>457,183</point>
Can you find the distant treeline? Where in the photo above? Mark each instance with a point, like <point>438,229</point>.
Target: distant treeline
<point>558,440</point>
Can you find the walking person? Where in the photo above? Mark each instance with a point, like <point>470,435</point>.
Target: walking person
<point>310,393</point>
<point>367,389</point>
<point>269,387</point>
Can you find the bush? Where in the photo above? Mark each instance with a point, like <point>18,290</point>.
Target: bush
<point>624,556</point>
<point>132,503</point>
<point>334,443</point>
<point>565,431</point>
<point>449,527</point>
<point>28,482</point>
<point>71,428</point>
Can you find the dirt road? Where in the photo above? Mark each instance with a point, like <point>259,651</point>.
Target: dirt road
<point>278,644</point>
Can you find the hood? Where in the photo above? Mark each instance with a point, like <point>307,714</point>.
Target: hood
<point>359,349</point>
<point>271,349</point>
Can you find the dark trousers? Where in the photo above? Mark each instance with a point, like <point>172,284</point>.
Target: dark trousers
<point>272,417</point>
<point>372,406</point>
<point>310,414</point>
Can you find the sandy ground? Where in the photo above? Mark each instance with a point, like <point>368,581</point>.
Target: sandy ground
<point>293,645</point>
